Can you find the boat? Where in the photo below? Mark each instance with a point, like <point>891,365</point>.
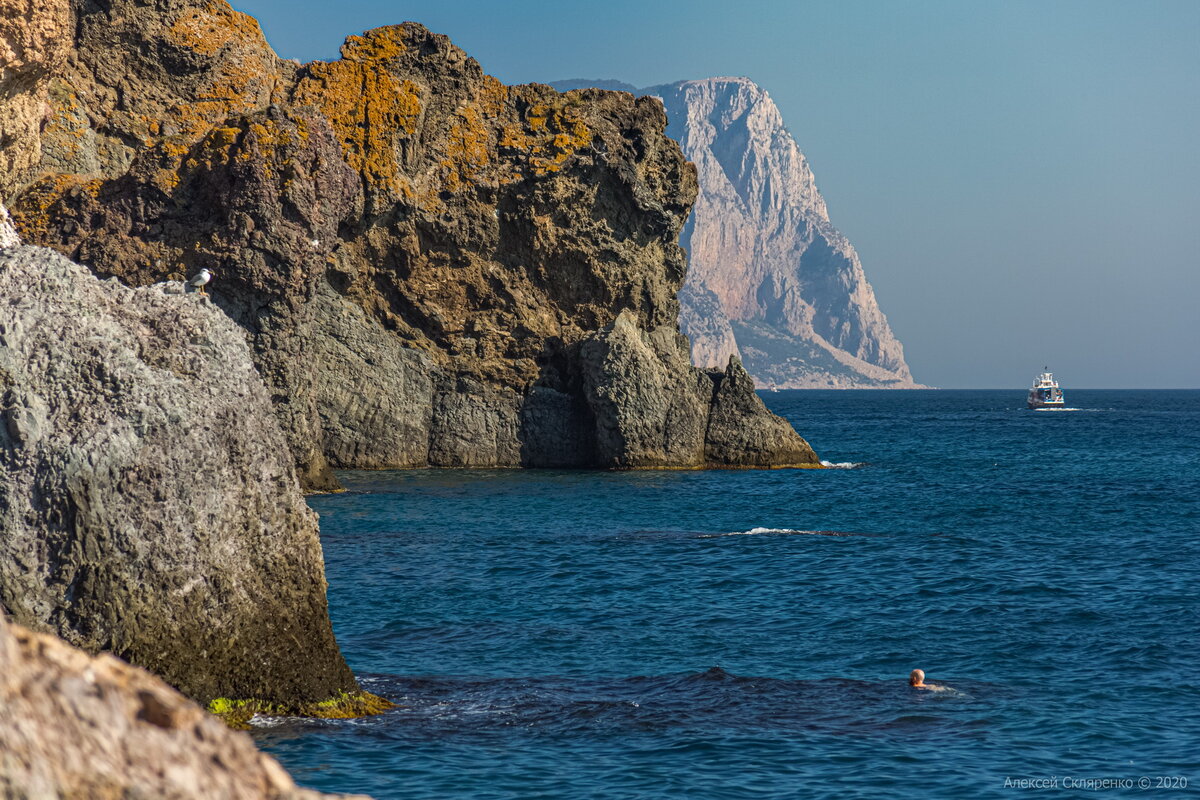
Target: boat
<point>1045,392</point>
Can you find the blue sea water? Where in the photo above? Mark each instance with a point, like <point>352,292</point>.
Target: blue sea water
<point>748,634</point>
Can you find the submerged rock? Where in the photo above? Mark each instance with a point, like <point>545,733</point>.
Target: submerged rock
<point>95,727</point>
<point>148,504</point>
<point>418,253</point>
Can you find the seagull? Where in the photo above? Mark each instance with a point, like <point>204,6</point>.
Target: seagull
<point>200,280</point>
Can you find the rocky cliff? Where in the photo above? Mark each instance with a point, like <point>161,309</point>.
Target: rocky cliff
<point>34,40</point>
<point>423,257</point>
<point>769,277</point>
<point>148,504</point>
<point>76,726</point>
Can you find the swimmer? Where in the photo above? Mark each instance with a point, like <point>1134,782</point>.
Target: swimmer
<point>916,679</point>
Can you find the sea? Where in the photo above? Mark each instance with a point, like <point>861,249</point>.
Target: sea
<point>749,634</point>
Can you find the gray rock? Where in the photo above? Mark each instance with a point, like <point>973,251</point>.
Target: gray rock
<point>77,726</point>
<point>148,502</point>
<point>742,433</point>
<point>652,409</point>
<point>374,397</point>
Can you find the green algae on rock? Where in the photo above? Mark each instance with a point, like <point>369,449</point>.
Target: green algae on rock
<point>348,705</point>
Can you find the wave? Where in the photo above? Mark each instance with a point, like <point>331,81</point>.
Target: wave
<point>779,532</point>
<point>843,464</point>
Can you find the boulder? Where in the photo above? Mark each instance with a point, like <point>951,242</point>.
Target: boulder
<point>148,504</point>
<point>80,726</point>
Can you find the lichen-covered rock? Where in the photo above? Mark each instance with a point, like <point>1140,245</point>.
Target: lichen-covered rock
<point>148,506</point>
<point>78,726</point>
<point>34,40</point>
<point>416,250</point>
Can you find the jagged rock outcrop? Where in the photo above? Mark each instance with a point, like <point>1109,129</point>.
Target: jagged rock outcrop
<point>417,251</point>
<point>78,726</point>
<point>34,39</point>
<point>148,505</point>
<point>769,278</point>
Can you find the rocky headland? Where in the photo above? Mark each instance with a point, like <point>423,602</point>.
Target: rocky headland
<point>148,503</point>
<point>433,268</point>
<point>80,726</point>
<point>769,277</point>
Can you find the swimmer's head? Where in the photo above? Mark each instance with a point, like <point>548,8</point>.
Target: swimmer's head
<point>916,677</point>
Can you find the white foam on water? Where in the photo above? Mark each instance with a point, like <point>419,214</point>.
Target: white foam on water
<point>776,532</point>
<point>1060,409</point>
<point>843,464</point>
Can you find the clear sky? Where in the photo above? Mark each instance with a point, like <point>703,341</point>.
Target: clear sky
<point>1020,177</point>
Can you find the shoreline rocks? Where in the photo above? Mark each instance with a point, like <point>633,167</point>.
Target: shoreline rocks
<point>76,725</point>
<point>148,503</point>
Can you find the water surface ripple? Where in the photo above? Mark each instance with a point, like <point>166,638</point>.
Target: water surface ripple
<point>748,634</point>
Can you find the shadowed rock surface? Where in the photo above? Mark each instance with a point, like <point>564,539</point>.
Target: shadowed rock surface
<point>148,505</point>
<point>77,726</point>
<point>417,251</point>
<point>769,278</point>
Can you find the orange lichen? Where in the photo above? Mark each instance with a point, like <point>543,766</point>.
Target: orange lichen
<point>375,45</point>
<point>551,134</point>
<point>206,30</point>
<point>34,209</point>
<point>467,150</point>
<point>370,110</point>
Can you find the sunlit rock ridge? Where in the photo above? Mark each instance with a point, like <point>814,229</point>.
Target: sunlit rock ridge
<point>769,278</point>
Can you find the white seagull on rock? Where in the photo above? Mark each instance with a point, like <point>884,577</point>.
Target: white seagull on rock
<point>200,280</point>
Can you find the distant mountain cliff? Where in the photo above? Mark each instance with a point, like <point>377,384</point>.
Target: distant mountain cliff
<point>769,277</point>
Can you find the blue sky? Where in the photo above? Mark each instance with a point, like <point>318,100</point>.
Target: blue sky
<point>1021,178</point>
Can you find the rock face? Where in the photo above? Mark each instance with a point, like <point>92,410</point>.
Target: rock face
<point>148,506</point>
<point>419,253</point>
<point>769,277</point>
<point>790,285</point>
<point>34,39</point>
<point>81,726</point>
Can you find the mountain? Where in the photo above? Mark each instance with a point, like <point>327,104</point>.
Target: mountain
<point>769,277</point>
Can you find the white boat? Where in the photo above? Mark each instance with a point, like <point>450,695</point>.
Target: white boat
<point>1045,392</point>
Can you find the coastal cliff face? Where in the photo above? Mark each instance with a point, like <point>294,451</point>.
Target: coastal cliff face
<point>148,504</point>
<point>791,295</point>
<point>34,40</point>
<point>422,256</point>
<point>82,726</point>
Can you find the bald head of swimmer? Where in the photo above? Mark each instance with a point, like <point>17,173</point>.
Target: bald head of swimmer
<point>916,678</point>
